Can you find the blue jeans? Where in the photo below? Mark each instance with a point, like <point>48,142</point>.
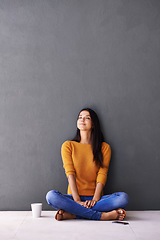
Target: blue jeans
<point>107,203</point>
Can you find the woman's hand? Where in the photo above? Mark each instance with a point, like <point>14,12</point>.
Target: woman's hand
<point>90,203</point>
<point>83,204</point>
<point>87,204</point>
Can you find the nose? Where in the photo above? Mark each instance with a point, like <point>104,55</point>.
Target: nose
<point>82,119</point>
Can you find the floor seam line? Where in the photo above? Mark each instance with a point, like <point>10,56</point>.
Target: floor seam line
<point>19,226</point>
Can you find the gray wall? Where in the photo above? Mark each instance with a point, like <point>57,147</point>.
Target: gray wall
<point>59,56</point>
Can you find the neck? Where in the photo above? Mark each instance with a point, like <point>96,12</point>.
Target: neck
<point>85,137</point>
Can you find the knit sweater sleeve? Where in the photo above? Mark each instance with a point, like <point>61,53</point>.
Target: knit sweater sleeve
<point>102,173</point>
<point>66,152</point>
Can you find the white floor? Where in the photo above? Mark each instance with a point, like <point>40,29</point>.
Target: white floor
<point>21,226</point>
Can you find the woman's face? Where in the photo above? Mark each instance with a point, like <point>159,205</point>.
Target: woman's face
<point>84,122</point>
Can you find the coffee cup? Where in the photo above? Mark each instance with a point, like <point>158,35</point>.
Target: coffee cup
<point>36,209</point>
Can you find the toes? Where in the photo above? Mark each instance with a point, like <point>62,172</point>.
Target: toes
<point>121,214</point>
<point>59,215</point>
<point>60,212</point>
<point>121,217</point>
<point>121,211</point>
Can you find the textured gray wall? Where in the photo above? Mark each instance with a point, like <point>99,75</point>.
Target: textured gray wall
<point>59,56</point>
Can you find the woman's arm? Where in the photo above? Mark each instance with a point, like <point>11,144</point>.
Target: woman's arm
<point>74,190</point>
<point>98,192</point>
<point>73,186</point>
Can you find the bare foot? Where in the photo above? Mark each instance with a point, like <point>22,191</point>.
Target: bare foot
<point>62,215</point>
<point>118,214</point>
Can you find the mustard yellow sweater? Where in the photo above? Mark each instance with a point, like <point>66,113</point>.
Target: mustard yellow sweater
<point>78,160</point>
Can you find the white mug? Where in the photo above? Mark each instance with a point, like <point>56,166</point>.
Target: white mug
<point>36,209</point>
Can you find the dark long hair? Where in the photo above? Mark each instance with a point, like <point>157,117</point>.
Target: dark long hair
<point>96,137</point>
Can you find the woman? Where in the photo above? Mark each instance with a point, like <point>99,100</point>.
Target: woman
<point>86,160</point>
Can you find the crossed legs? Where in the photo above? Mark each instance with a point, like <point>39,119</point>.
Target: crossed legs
<point>118,214</point>
<point>107,208</point>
